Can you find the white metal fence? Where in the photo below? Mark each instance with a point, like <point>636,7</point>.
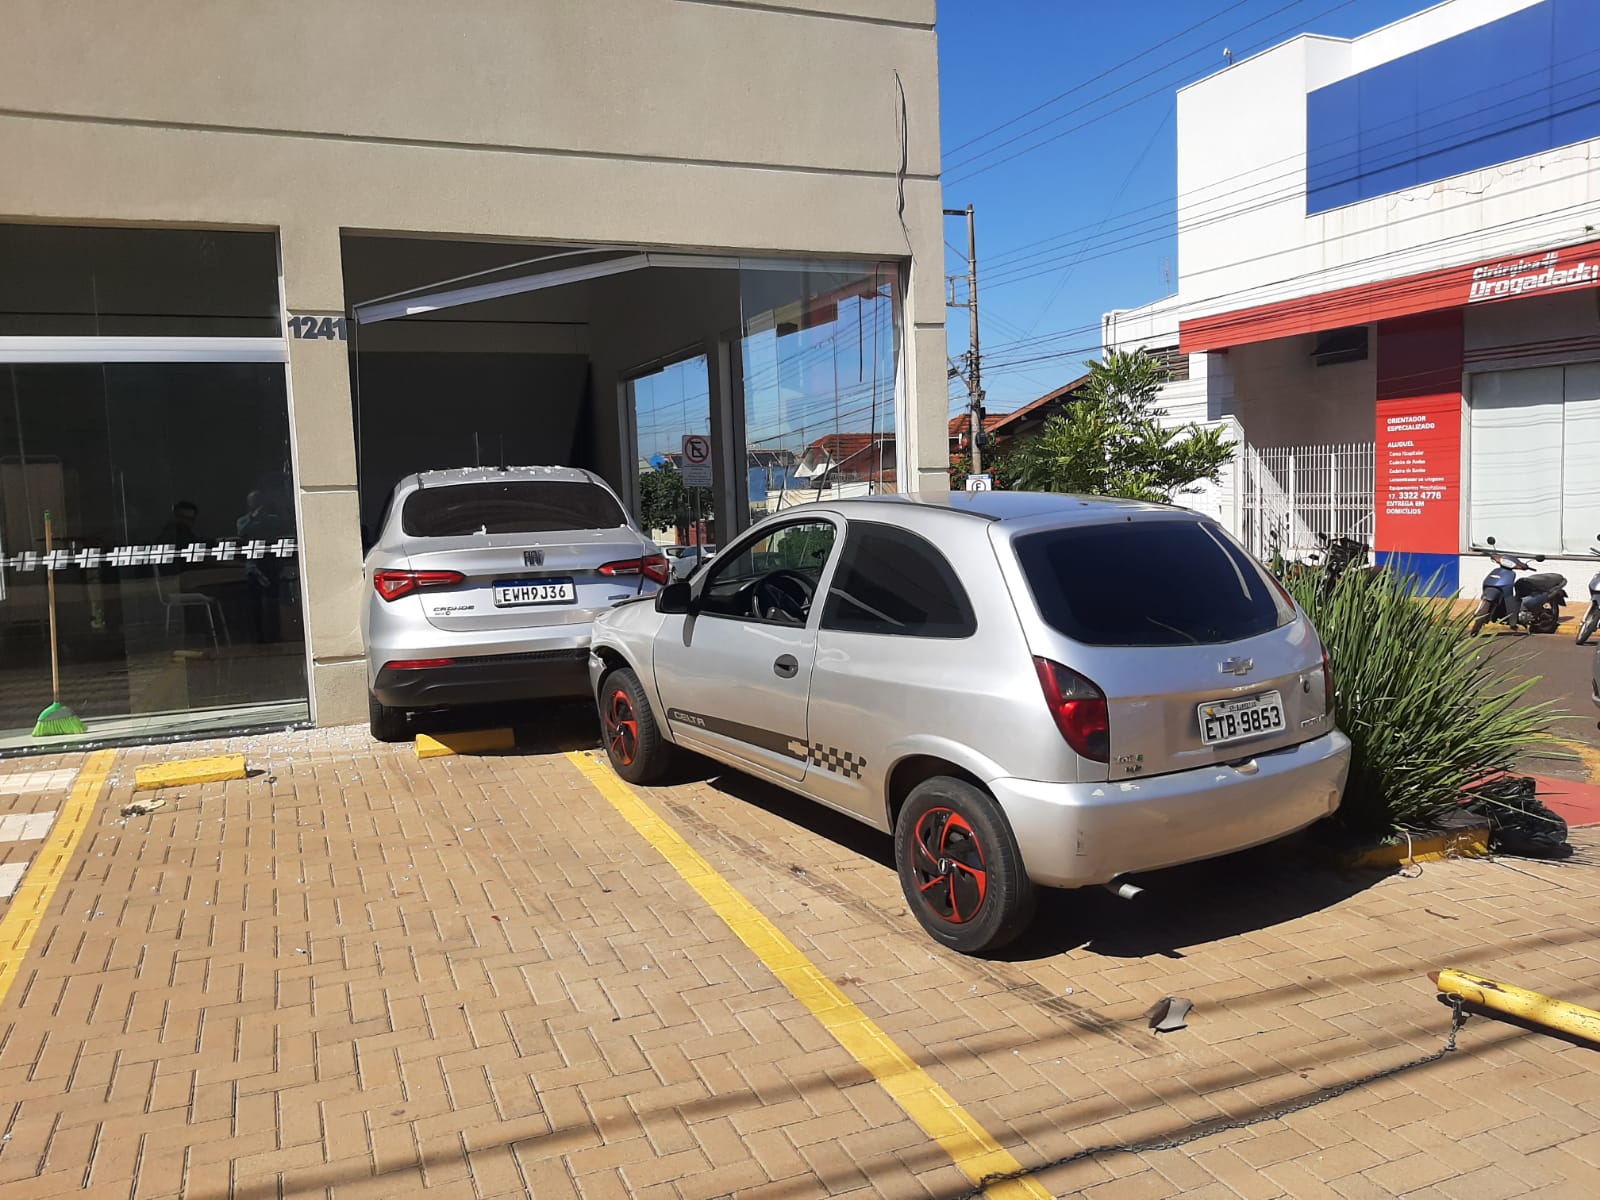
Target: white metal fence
<point>1291,494</point>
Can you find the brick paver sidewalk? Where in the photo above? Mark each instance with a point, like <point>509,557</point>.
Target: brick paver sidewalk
<point>360,974</point>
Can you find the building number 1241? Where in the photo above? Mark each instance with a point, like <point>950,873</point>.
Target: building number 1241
<point>330,329</point>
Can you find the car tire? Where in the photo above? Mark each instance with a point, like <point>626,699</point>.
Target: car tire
<point>960,867</point>
<point>628,728</point>
<point>387,724</point>
<point>1586,630</point>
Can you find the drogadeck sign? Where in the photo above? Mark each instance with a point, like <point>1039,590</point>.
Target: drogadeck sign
<point>1544,272</point>
<point>1501,281</point>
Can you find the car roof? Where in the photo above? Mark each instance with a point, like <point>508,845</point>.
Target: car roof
<point>1008,506</point>
<point>426,479</point>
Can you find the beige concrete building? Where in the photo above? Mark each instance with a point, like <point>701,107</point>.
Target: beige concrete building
<point>258,261</point>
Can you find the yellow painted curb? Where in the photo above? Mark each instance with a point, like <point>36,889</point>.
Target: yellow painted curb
<point>1471,842</point>
<point>472,741</point>
<point>189,770</point>
<point>1570,1019</point>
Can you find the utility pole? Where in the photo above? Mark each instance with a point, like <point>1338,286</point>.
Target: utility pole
<point>974,358</point>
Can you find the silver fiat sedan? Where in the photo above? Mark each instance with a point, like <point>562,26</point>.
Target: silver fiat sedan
<point>1025,690</point>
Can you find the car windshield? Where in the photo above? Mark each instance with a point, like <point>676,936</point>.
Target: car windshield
<point>515,506</point>
<point>1149,583</point>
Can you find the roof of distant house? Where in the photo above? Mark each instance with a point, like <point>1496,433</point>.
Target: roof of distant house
<point>1039,407</point>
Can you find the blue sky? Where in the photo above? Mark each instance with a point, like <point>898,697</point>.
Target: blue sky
<point>1099,192</point>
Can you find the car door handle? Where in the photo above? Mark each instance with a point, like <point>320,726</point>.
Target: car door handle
<point>787,667</point>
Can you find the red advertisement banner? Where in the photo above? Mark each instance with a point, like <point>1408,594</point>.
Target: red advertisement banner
<point>1419,475</point>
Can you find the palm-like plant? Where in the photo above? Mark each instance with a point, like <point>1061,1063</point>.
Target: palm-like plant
<point>1428,714</point>
<point>1110,440</point>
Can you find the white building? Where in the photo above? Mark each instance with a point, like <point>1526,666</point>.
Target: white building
<point>1389,276</point>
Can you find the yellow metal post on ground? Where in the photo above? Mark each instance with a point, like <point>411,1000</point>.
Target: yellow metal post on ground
<point>1556,1015</point>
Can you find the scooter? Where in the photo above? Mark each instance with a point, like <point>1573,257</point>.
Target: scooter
<point>1591,619</point>
<point>1539,597</point>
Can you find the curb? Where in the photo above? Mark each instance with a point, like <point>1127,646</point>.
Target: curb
<point>1470,841</point>
<point>472,741</point>
<point>187,771</point>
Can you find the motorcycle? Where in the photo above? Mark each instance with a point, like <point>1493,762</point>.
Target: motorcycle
<point>1591,619</point>
<point>1537,599</point>
<point>1333,557</point>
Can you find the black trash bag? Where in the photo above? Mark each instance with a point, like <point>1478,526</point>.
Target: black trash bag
<point>1519,824</point>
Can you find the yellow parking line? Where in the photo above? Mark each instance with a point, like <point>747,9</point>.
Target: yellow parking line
<point>969,1145</point>
<point>27,909</point>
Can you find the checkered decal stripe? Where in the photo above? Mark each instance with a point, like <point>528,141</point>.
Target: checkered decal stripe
<point>151,556</point>
<point>839,762</point>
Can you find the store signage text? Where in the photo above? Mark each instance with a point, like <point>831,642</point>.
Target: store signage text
<point>1419,474</point>
<point>1496,281</point>
<point>328,329</point>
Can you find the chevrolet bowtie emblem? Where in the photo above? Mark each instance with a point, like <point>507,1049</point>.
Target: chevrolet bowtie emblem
<point>1237,666</point>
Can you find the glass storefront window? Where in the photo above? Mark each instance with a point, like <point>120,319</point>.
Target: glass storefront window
<point>818,355</point>
<point>668,405</point>
<point>170,498</point>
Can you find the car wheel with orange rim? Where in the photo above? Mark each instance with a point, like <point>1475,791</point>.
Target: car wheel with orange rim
<point>628,727</point>
<point>960,868</point>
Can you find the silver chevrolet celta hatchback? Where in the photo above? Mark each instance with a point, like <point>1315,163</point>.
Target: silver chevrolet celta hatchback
<point>483,583</point>
<point>1025,690</point>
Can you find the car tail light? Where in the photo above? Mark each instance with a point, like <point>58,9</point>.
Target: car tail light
<point>653,568</point>
<point>1079,709</point>
<point>418,664</point>
<point>1327,683</point>
<point>391,585</point>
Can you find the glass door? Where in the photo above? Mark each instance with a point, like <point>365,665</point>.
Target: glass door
<point>159,497</point>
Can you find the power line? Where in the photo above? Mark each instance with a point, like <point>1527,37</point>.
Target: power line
<point>1078,87</point>
<point>1023,268</point>
<point>1126,180</point>
<point>1039,248</point>
<point>1284,288</point>
<point>1187,77</point>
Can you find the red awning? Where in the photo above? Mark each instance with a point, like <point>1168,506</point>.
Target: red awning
<point>1538,273</point>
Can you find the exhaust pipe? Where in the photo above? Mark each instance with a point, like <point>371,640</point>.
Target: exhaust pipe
<point>1126,891</point>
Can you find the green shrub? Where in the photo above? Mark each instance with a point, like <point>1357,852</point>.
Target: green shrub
<point>1428,713</point>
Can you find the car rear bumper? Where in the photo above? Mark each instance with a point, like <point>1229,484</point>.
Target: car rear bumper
<point>486,679</point>
<point>1073,835</point>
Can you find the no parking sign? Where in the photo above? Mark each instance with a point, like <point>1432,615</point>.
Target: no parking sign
<point>696,460</point>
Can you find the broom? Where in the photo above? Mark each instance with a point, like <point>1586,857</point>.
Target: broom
<point>58,720</point>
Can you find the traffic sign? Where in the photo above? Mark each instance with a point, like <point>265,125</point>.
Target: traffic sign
<point>980,483</point>
<point>696,460</point>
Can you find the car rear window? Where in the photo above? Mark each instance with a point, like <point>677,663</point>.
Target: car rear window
<point>1149,583</point>
<point>516,506</point>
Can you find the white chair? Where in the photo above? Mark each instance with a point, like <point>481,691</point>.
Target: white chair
<point>175,602</point>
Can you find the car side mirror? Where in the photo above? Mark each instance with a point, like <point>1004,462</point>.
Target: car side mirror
<point>675,598</point>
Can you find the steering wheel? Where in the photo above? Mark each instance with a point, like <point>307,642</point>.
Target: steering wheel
<point>782,594</point>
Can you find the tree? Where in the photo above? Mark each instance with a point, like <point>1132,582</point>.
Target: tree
<point>665,503</point>
<point>1109,440</point>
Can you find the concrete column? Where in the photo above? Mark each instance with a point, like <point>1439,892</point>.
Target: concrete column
<point>925,421</point>
<point>328,514</point>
